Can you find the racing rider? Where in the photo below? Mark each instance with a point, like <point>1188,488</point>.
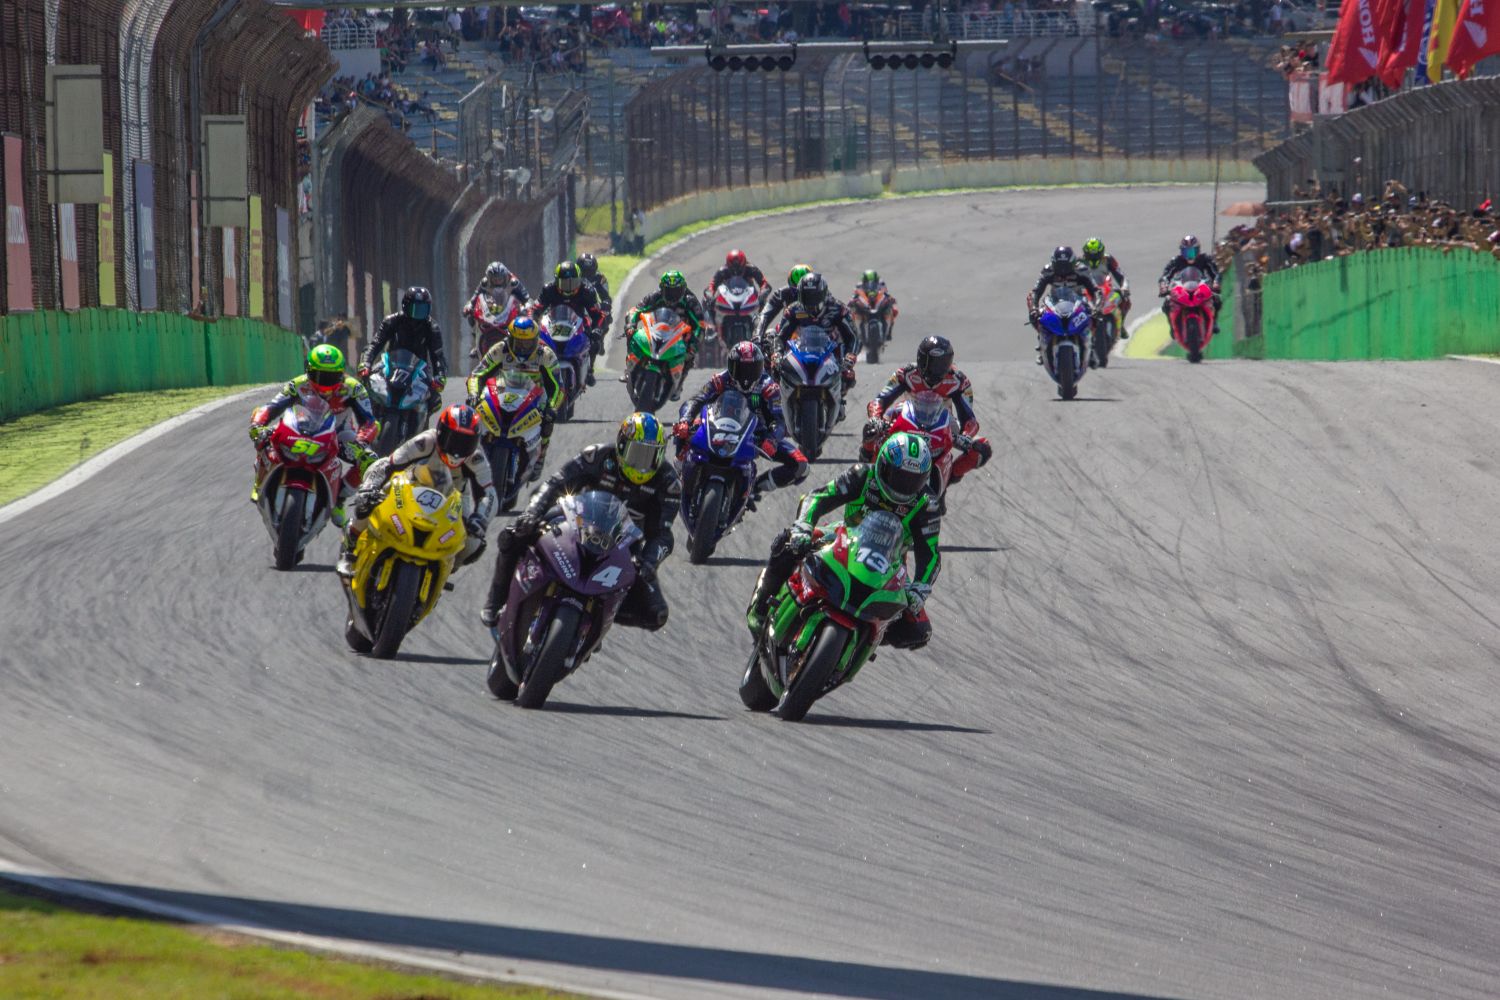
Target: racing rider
<point>815,307</point>
<point>523,349</point>
<point>567,288</point>
<point>1190,254</point>
<point>672,293</point>
<point>871,285</point>
<point>450,449</point>
<point>895,482</point>
<point>588,268</point>
<point>736,265</point>
<point>498,283</point>
<point>745,371</point>
<point>779,300</point>
<point>346,397</point>
<point>1099,263</point>
<point>632,470</point>
<point>1061,272</point>
<point>412,329</point>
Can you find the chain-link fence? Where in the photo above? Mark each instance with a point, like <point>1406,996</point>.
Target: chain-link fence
<point>1443,140</point>
<point>1060,97</point>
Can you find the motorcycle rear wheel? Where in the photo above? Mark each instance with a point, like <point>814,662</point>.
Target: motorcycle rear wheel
<point>497,680</point>
<point>874,341</point>
<point>818,665</point>
<point>704,538</point>
<point>551,661</point>
<point>396,613</point>
<point>754,691</point>
<point>288,535</point>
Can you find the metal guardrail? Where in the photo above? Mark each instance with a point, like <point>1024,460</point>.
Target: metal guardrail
<point>342,35</point>
<point>911,25</point>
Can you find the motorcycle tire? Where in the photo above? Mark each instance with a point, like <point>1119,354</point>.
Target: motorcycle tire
<point>704,538</point>
<point>1067,378</point>
<point>397,610</point>
<point>1193,336</point>
<point>1104,342</point>
<point>646,391</point>
<point>497,680</point>
<point>289,533</point>
<point>390,433</point>
<point>872,347</point>
<point>355,638</point>
<point>810,426</point>
<point>754,691</point>
<point>818,665</point>
<point>500,476</point>
<point>551,661</point>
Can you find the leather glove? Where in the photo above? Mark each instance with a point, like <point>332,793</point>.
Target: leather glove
<point>366,501</point>
<point>368,433</point>
<point>682,430</point>
<point>800,536</point>
<point>476,525</point>
<point>768,448</point>
<point>527,526</point>
<point>645,572</point>
<point>363,372</point>
<point>916,596</point>
<point>440,383</point>
<point>874,428</point>
<point>982,446</point>
<point>1033,317</point>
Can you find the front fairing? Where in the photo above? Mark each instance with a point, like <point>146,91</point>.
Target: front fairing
<point>415,523</point>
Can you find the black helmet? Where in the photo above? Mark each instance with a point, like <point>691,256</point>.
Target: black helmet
<point>587,265</point>
<point>568,281</point>
<point>934,359</point>
<point>417,303</point>
<point>747,363</point>
<point>1189,247</point>
<point>812,292</point>
<point>1064,261</point>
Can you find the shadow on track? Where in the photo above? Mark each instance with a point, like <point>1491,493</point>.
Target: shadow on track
<point>590,951</point>
<point>626,711</point>
<point>735,561</point>
<point>945,549</point>
<point>447,661</point>
<point>1089,399</point>
<point>894,725</point>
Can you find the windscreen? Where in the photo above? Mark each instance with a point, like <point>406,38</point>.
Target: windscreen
<point>813,339</point>
<point>600,518</point>
<point>879,540</point>
<point>927,409</point>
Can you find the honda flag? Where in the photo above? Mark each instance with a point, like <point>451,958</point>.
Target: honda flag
<point>1400,50</point>
<point>1354,53</point>
<point>1476,36</point>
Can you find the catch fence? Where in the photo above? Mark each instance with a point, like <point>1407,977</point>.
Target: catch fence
<point>1077,97</point>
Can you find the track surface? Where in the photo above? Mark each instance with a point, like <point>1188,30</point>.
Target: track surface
<point>1209,711</point>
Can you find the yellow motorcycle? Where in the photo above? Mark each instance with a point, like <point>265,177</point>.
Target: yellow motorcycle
<point>401,562</point>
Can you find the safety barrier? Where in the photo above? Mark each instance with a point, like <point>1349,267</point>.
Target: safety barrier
<point>51,358</point>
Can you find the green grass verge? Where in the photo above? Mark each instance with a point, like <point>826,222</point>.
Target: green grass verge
<point>48,952</point>
<point>594,220</point>
<point>39,447</point>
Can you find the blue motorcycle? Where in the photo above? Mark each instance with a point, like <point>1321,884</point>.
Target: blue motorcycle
<point>398,394</point>
<point>565,332</point>
<point>811,376</point>
<point>718,472</point>
<point>1066,320</point>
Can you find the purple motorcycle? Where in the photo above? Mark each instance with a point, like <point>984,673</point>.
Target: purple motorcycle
<point>563,597</point>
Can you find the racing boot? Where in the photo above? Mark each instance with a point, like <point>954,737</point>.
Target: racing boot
<point>535,472</point>
<point>345,566</point>
<point>760,604</point>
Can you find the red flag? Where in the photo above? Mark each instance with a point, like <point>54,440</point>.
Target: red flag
<point>1400,50</point>
<point>1354,54</point>
<point>1476,35</point>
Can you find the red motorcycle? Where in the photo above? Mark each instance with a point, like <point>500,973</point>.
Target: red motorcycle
<point>490,321</point>
<point>297,467</point>
<point>927,414</point>
<point>1190,311</point>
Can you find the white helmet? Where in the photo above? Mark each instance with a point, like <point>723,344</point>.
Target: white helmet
<point>497,275</point>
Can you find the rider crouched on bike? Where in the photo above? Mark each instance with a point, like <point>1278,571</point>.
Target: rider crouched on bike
<point>897,482</point>
<point>745,372</point>
<point>497,285</point>
<point>412,329</point>
<point>1190,254</point>
<point>523,350</point>
<point>324,381</point>
<point>449,450</point>
<point>633,470</point>
<point>778,302</point>
<point>736,265</point>
<point>815,307</point>
<point>1061,272</point>
<point>567,288</point>
<point>932,372</point>
<point>588,269</point>
<point>672,293</point>
<point>872,286</point>
<point>1098,263</point>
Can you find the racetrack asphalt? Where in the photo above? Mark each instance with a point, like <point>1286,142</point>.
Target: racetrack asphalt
<point>1208,712</point>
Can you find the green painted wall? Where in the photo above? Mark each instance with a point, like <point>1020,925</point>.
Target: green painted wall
<point>51,358</point>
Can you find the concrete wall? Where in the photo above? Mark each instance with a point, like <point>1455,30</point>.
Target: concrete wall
<point>756,197</point>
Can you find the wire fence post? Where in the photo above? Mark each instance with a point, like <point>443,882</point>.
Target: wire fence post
<point>989,110</point>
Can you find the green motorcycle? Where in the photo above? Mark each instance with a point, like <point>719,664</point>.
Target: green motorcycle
<point>829,618</point>
<point>655,358</point>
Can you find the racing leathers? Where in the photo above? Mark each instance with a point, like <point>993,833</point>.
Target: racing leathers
<point>541,366</point>
<point>780,300</point>
<point>834,318</point>
<point>1110,268</point>
<point>765,402</point>
<point>399,332</point>
<point>954,387</point>
<point>422,451</point>
<point>653,506</point>
<point>349,404</point>
<point>586,304</point>
<point>1203,262</point>
<point>517,291</point>
<point>688,307</point>
<point>856,491</point>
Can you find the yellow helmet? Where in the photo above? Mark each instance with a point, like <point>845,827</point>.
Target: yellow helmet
<point>640,446</point>
<point>524,335</point>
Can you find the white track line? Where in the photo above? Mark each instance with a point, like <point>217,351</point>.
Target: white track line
<point>109,456</point>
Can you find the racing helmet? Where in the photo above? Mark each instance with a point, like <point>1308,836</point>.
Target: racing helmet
<point>673,287</point>
<point>497,276</point>
<point>1189,248</point>
<point>1093,251</point>
<point>746,365</point>
<point>416,303</point>
<point>1064,261</point>
<point>588,266</point>
<point>457,435</point>
<point>795,275</point>
<point>902,466</point>
<point>640,446</point>
<point>934,359</point>
<point>325,368</point>
<point>736,261</point>
<point>568,280</point>
<point>524,336</point>
<point>870,280</point>
<point>812,292</point>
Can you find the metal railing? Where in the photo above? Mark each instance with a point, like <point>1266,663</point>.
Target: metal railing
<point>911,25</point>
<point>341,35</point>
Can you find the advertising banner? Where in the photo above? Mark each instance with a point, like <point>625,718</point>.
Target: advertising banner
<point>145,235</point>
<point>107,235</point>
<point>284,268</point>
<point>231,276</point>
<point>17,238</point>
<point>67,254</point>
<point>256,279</point>
<point>194,252</point>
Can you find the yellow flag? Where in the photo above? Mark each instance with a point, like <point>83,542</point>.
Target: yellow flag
<point>1444,17</point>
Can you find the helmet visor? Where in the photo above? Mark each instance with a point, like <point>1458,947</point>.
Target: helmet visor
<point>673,293</point>
<point>325,379</point>
<point>641,456</point>
<point>455,444</point>
<point>811,299</point>
<point>901,484</point>
<point>421,310</point>
<point>569,286</point>
<point>936,366</point>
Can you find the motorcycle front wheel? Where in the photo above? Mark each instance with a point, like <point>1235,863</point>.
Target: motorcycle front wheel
<point>497,680</point>
<point>289,532</point>
<point>1193,335</point>
<point>818,665</point>
<point>551,661</point>
<point>754,691</point>
<point>1067,377</point>
<point>704,538</point>
<point>396,612</point>
<point>810,426</point>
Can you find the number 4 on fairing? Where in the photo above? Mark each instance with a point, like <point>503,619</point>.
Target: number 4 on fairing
<point>607,577</point>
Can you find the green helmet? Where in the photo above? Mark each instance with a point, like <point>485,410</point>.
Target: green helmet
<point>902,466</point>
<point>870,278</point>
<point>568,279</point>
<point>795,275</point>
<point>325,367</point>
<point>1093,250</point>
<point>673,286</point>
